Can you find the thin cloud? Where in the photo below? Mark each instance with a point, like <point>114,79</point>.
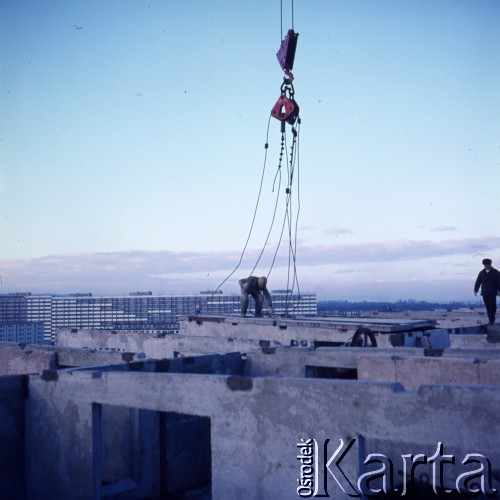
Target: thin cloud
<point>309,227</point>
<point>394,250</point>
<point>185,272</point>
<point>338,231</point>
<point>443,229</point>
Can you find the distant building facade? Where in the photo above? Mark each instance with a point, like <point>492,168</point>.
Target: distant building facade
<point>28,333</point>
<point>139,311</point>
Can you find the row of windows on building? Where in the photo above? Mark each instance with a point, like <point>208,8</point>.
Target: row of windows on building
<point>161,311</point>
<point>29,333</point>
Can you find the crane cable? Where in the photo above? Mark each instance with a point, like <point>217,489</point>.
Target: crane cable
<point>287,111</point>
<point>292,162</point>
<point>281,18</point>
<point>288,219</point>
<point>254,214</point>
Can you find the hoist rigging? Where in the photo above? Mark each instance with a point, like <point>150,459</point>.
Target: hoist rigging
<point>286,108</point>
<point>286,111</point>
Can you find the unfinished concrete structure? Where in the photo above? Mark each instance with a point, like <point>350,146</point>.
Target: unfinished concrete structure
<point>277,411</point>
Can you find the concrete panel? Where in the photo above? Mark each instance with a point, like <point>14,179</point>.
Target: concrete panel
<point>228,364</point>
<point>187,344</point>
<point>472,353</point>
<point>381,369</point>
<point>291,361</point>
<point>474,342</point>
<point>256,423</point>
<point>19,362</point>
<point>489,372</point>
<point>147,345</point>
<point>118,340</point>
<point>277,361</point>
<point>267,330</point>
<point>59,458</point>
<point>12,393</point>
<point>414,372</point>
<point>70,356</point>
<point>372,364</point>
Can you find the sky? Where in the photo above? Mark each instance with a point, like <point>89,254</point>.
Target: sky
<point>133,133</point>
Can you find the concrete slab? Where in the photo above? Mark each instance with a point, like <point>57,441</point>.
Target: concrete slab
<point>385,325</point>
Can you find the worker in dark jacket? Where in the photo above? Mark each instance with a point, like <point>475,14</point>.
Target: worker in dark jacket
<point>256,287</point>
<point>489,281</point>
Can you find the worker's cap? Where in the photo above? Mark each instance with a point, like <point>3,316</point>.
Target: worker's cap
<point>486,262</point>
<point>262,282</point>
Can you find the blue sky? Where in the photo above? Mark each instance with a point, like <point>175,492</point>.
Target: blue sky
<point>132,145</point>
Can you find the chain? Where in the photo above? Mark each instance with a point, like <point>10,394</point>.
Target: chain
<point>280,162</point>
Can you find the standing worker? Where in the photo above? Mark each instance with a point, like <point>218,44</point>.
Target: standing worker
<point>256,287</point>
<point>489,281</point>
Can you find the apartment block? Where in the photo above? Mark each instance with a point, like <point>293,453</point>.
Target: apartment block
<point>138,311</point>
<point>28,333</point>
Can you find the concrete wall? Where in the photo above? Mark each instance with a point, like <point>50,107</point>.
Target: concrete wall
<point>292,361</point>
<point>125,431</point>
<point>212,337</point>
<point>256,424</point>
<point>34,358</point>
<point>12,397</point>
<point>119,340</point>
<point>484,341</point>
<point>412,372</point>
<point>151,346</point>
<point>408,366</point>
<point>14,361</point>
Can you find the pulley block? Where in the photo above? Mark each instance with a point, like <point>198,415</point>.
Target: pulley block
<point>285,109</point>
<point>286,52</point>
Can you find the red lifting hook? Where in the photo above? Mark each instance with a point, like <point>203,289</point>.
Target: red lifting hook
<point>285,110</point>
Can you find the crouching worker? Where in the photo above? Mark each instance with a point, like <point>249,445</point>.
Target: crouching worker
<point>256,287</point>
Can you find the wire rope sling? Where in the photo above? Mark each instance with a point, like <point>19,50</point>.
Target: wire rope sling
<point>286,111</point>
